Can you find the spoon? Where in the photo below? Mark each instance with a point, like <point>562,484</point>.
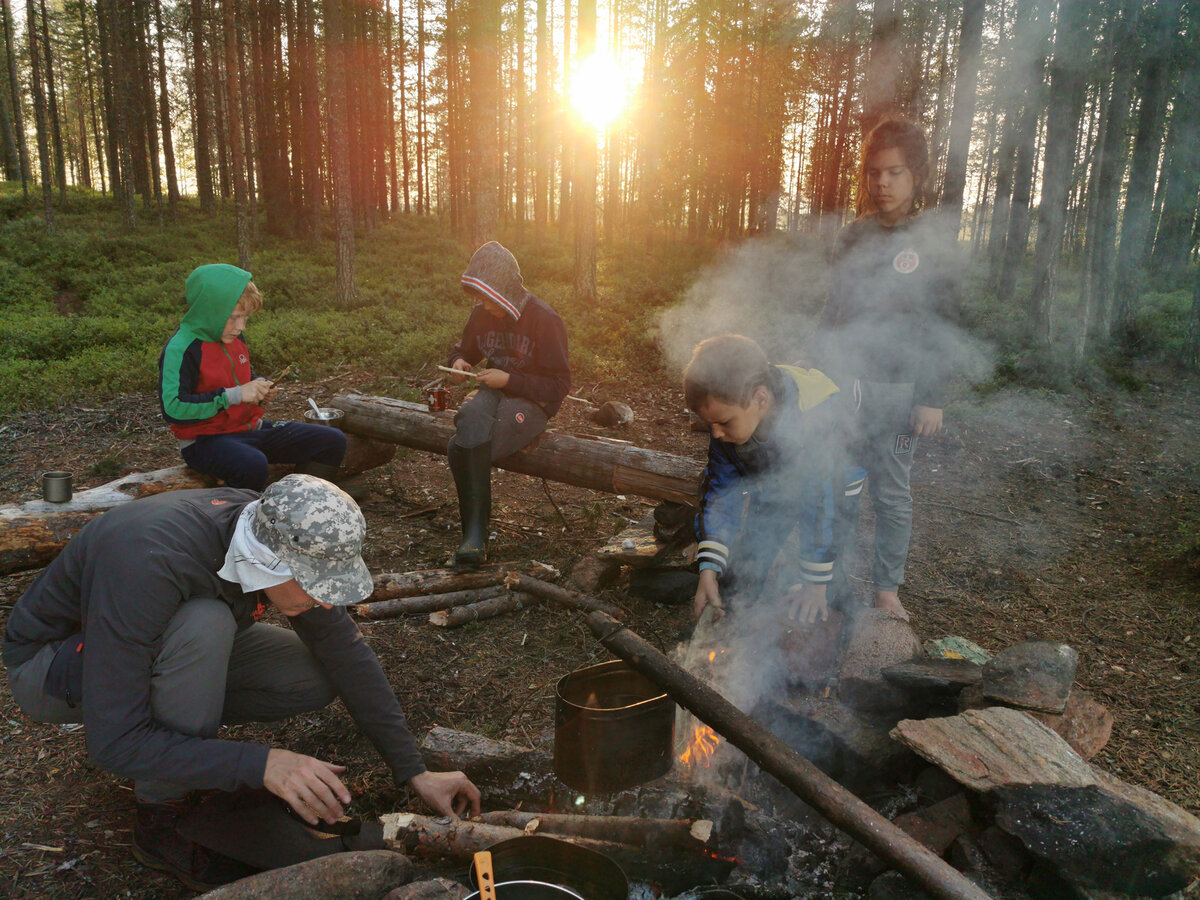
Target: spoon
<point>316,409</point>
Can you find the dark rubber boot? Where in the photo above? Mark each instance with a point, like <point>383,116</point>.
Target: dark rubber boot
<point>158,844</point>
<point>472,470</point>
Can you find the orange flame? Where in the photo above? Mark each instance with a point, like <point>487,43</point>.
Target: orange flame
<point>703,746</point>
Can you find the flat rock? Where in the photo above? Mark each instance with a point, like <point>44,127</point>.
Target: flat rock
<point>988,748</point>
<point>1097,831</point>
<point>810,652</point>
<point>1085,724</point>
<point>1032,675</point>
<point>637,546</point>
<point>938,677</point>
<point>876,640</point>
<point>1110,836</point>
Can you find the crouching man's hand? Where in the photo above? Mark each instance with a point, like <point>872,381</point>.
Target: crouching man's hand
<point>311,787</point>
<point>450,793</point>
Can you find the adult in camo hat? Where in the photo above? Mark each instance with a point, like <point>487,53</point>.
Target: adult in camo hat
<point>146,629</point>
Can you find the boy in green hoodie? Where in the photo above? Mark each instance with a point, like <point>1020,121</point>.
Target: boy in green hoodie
<point>212,399</point>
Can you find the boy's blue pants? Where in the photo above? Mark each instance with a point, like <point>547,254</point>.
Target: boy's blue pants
<point>241,459</point>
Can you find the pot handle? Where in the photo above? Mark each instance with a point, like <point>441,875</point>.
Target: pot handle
<point>484,875</point>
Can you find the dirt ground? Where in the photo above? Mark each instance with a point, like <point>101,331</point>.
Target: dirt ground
<point>1036,516</point>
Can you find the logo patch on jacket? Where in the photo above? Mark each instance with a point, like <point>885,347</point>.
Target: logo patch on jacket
<point>520,418</point>
<point>243,358</point>
<point>218,502</point>
<point>904,443</point>
<point>906,262</point>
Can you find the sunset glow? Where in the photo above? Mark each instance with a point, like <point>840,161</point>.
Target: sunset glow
<point>600,90</point>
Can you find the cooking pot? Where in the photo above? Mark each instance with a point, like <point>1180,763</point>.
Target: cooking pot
<point>532,862</point>
<point>613,729</point>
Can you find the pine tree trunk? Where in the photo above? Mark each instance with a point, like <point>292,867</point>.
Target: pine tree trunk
<point>1067,92</point>
<point>42,126</point>
<point>234,131</point>
<point>1108,173</point>
<point>47,52</point>
<point>963,114</point>
<point>584,188</point>
<point>85,34</point>
<point>10,53</point>
<point>204,181</point>
<point>543,126</point>
<point>1135,221</point>
<point>165,115</point>
<point>483,53</point>
<point>339,150</point>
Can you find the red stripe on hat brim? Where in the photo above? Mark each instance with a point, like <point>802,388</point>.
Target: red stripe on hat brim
<point>491,293</point>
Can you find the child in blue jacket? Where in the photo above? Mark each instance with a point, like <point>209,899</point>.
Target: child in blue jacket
<point>774,438</point>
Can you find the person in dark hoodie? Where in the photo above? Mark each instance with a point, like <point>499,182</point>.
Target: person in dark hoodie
<point>146,629</point>
<point>521,345</point>
<point>886,339</point>
<point>212,399</point>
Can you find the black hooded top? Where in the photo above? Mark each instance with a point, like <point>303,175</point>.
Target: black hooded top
<point>529,343</point>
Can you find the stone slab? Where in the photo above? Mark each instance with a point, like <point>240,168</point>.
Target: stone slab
<point>1031,675</point>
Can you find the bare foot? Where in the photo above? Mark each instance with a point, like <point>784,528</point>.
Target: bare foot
<point>890,600</point>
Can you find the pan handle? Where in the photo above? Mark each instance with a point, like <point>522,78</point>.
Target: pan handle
<point>484,875</point>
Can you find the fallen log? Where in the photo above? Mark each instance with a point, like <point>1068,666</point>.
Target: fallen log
<point>686,834</point>
<point>561,596</point>
<point>33,533</point>
<point>618,468</point>
<point>484,609</point>
<point>427,603</point>
<point>774,756</point>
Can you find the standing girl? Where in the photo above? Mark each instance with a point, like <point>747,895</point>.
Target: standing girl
<point>885,340</point>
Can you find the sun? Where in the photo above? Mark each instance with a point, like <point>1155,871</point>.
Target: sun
<point>600,90</point>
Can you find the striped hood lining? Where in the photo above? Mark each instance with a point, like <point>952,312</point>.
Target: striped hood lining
<point>493,273</point>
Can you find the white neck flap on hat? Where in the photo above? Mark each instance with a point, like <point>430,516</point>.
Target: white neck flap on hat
<point>249,562</point>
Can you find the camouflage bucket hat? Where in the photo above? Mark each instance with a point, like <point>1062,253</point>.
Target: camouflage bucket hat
<point>318,531</point>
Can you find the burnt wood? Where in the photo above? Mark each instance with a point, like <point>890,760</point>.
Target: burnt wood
<point>800,776</point>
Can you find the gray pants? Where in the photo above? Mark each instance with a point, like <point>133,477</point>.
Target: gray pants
<point>207,674</point>
<point>510,423</point>
<point>882,443</point>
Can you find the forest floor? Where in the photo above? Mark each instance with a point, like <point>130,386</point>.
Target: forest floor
<point>1074,519</point>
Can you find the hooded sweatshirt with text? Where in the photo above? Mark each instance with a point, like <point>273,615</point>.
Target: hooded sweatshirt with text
<point>529,343</point>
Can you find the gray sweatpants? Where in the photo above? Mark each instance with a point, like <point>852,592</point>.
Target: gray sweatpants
<point>881,442</point>
<point>510,423</point>
<point>207,674</point>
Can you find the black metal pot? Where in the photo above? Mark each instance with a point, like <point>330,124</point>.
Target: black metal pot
<point>613,729</point>
<point>581,872</point>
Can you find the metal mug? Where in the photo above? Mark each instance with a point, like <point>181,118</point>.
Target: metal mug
<point>56,487</point>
